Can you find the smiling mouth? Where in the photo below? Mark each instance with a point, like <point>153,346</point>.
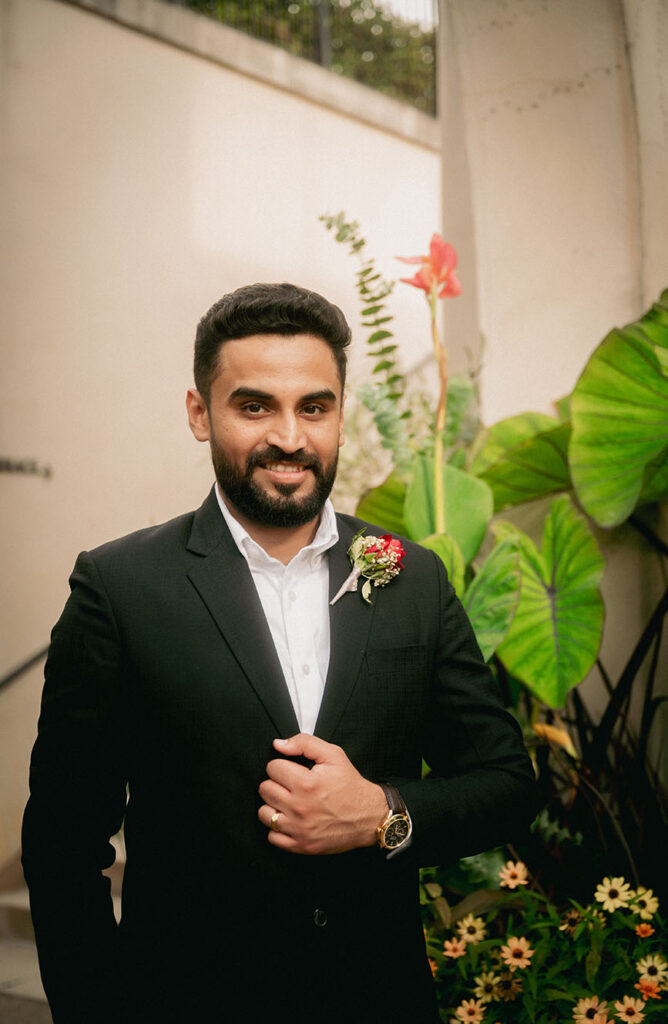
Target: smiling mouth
<point>285,467</point>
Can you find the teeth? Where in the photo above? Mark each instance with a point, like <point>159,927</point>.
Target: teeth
<point>283,467</point>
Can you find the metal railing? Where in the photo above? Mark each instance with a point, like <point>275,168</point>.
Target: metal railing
<point>17,672</point>
<point>389,45</point>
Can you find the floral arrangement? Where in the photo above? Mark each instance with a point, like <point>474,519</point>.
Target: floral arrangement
<point>374,558</point>
<point>525,961</point>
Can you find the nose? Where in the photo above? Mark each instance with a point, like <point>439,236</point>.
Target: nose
<point>287,432</point>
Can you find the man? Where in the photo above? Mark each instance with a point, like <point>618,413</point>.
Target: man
<point>269,740</point>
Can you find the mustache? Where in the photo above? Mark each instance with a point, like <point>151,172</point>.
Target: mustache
<point>272,453</point>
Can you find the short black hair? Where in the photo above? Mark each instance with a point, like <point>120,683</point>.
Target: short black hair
<point>267,309</point>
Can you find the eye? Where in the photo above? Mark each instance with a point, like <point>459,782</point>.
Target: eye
<point>313,409</point>
<point>254,408</point>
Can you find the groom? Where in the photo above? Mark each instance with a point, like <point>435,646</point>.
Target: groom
<point>262,745</point>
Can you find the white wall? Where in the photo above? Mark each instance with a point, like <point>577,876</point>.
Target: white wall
<point>549,128</point>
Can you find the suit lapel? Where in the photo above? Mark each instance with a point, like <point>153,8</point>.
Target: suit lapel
<point>349,623</point>
<point>223,581</point>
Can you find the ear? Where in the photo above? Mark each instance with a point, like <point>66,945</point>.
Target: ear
<point>342,439</point>
<point>198,415</point>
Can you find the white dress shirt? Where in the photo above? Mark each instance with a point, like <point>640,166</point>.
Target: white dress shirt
<point>295,599</point>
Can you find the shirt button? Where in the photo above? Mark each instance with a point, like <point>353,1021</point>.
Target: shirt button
<point>292,595</point>
<point>306,669</point>
<point>320,918</point>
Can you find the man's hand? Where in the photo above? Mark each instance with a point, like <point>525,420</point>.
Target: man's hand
<point>329,808</point>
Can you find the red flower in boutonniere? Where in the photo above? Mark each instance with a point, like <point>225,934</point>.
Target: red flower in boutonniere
<point>375,558</point>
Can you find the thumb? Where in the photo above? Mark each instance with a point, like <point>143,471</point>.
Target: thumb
<point>303,743</point>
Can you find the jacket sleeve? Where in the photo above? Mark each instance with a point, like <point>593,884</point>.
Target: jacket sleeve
<point>481,791</point>
<point>77,802</point>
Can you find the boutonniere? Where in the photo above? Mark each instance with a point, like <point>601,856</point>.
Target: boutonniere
<point>374,558</point>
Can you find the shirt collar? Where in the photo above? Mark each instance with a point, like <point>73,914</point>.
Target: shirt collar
<point>325,538</point>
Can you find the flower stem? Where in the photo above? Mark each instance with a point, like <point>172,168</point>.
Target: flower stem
<point>442,360</point>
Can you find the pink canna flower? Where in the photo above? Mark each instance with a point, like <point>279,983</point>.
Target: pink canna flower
<point>437,270</point>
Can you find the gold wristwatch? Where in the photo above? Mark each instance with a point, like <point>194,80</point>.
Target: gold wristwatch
<point>396,827</point>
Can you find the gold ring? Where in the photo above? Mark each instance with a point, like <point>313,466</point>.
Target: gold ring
<point>274,821</point>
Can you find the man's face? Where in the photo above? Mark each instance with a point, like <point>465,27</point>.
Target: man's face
<point>274,423</point>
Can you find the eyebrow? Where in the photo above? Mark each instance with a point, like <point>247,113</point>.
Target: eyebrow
<point>325,394</point>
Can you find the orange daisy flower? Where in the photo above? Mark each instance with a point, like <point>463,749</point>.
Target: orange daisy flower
<point>509,986</point>
<point>432,965</point>
<point>648,989</point>
<point>517,953</point>
<point>644,930</point>
<point>454,948</point>
<point>630,1010</point>
<point>470,1010</point>
<point>513,874</point>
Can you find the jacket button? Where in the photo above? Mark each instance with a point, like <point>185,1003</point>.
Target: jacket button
<point>320,918</point>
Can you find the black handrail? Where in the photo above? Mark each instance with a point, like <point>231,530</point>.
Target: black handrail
<point>23,667</point>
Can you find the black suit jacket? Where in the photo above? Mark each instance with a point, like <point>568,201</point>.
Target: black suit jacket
<point>162,677</point>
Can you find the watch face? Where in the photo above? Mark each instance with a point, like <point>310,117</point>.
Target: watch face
<point>396,831</point>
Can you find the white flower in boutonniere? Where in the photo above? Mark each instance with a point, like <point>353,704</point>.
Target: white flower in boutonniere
<point>374,558</point>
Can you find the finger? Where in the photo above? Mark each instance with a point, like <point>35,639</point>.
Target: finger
<point>274,795</point>
<point>287,773</point>
<point>274,820</point>
<point>309,746</point>
<point>283,842</point>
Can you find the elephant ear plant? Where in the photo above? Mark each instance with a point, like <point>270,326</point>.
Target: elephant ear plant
<point>537,609</point>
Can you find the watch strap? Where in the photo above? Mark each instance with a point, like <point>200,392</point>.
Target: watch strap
<point>394,799</point>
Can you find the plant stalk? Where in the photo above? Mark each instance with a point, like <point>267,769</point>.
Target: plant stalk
<point>442,360</point>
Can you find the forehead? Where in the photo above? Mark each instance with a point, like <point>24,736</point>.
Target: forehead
<point>277,359</point>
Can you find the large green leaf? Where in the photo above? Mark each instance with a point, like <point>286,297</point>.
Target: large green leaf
<point>619,410</point>
<point>448,550</point>
<point>468,505</point>
<point>655,480</point>
<point>523,458</point>
<point>492,597</point>
<point>556,633</point>
<point>384,505</point>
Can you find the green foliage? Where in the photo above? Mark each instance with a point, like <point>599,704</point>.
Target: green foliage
<point>523,458</point>
<point>538,612</point>
<point>468,506</point>
<point>556,633</point>
<point>361,39</point>
<point>575,955</point>
<point>493,595</point>
<point>619,410</point>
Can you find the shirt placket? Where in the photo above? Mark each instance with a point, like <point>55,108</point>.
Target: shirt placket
<point>301,648</point>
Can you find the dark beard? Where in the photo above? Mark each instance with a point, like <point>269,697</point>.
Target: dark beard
<point>259,507</point>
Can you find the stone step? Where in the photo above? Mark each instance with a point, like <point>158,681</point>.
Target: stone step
<point>19,970</point>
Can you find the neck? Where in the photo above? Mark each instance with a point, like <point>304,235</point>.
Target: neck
<point>280,542</point>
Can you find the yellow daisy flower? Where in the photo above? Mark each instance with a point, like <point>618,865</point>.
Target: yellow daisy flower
<point>644,903</point>
<point>588,1010</point>
<point>613,893</point>
<point>486,986</point>
<point>471,929</point>
<point>653,968</point>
